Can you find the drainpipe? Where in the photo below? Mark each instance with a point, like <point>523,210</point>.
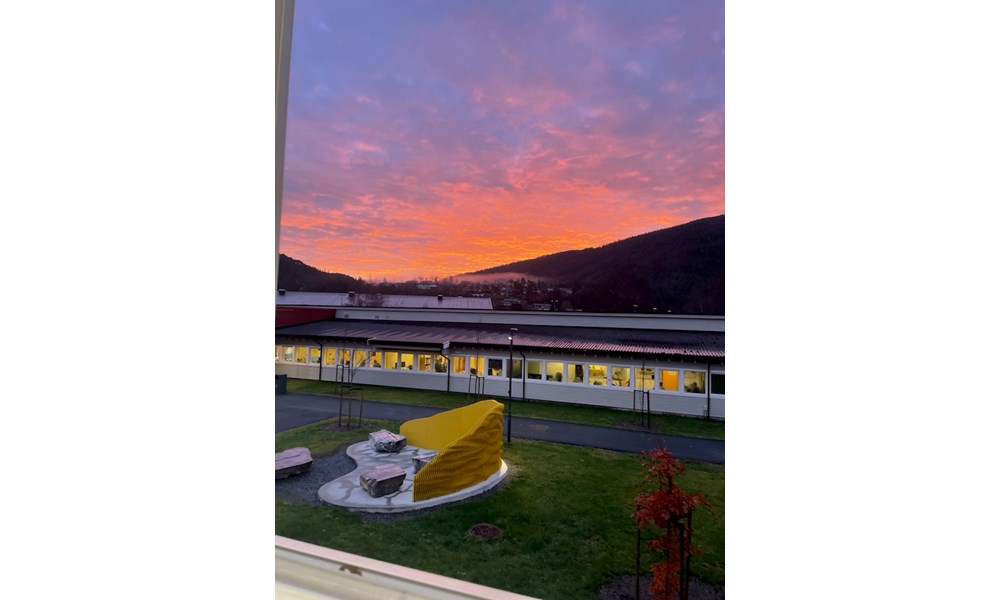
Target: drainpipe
<point>708,392</point>
<point>524,375</point>
<point>446,346</point>
<point>320,360</point>
<point>448,373</point>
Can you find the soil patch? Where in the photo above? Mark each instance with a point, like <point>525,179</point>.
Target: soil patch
<point>622,587</point>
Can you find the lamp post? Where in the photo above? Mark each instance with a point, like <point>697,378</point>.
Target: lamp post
<point>510,380</point>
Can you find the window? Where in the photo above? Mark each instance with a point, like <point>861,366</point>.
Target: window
<point>314,356</point>
<point>288,353</point>
<point>360,358</point>
<point>515,370</point>
<point>406,362</point>
<point>694,382</point>
<point>644,379</point>
<point>423,362</point>
<point>668,380</point>
<point>598,375</point>
<point>391,360</point>
<point>553,371</point>
<point>440,364</point>
<point>277,353</point>
<point>477,365</point>
<point>375,360</point>
<point>300,354</point>
<point>719,383</point>
<point>620,376</point>
<point>330,356</point>
<point>495,367</point>
<point>344,357</point>
<point>575,372</point>
<point>458,364</point>
<point>534,369</point>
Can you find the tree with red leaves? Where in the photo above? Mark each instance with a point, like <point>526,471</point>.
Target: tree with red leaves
<point>668,508</point>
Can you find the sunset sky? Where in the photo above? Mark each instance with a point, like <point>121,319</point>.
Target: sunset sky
<point>431,138</point>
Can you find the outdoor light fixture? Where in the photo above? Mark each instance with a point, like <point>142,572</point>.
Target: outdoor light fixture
<point>510,380</point>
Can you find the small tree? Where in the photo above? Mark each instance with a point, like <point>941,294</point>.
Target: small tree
<point>668,508</point>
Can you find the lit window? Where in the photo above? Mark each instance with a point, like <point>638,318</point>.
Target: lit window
<point>375,360</point>
<point>644,379</point>
<point>719,384</point>
<point>314,356</point>
<point>330,356</point>
<point>477,365</point>
<point>534,369</point>
<point>391,360</point>
<point>575,371</point>
<point>495,367</point>
<point>406,362</point>
<point>553,371</point>
<point>300,354</point>
<point>289,354</point>
<point>694,382</point>
<point>458,364</point>
<point>423,362</point>
<point>440,364</point>
<point>360,358</point>
<point>619,376</point>
<point>344,357</point>
<point>598,375</point>
<point>668,380</point>
<point>277,353</point>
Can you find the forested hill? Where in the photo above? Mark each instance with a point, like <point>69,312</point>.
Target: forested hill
<point>680,269</point>
<point>296,276</point>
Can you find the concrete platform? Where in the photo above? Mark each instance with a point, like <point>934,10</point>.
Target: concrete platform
<point>346,490</point>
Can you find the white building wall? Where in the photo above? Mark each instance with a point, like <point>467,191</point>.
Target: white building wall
<point>661,401</point>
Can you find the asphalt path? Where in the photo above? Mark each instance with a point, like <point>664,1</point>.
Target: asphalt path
<point>296,410</point>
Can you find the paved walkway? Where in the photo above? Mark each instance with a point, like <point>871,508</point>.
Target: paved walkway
<point>295,410</point>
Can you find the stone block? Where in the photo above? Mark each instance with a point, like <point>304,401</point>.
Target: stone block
<point>386,441</point>
<point>382,480</point>
<point>420,460</point>
<point>292,462</point>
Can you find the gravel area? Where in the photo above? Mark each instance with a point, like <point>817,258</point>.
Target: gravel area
<point>304,488</point>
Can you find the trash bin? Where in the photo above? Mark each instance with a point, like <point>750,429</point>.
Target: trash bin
<point>281,384</point>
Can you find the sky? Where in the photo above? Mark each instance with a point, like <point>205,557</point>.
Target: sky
<point>432,138</point>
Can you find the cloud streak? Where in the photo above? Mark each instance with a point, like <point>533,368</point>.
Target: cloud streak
<point>429,139</point>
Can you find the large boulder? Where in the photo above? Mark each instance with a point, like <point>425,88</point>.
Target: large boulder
<point>421,459</point>
<point>292,462</point>
<point>383,480</point>
<point>386,441</point>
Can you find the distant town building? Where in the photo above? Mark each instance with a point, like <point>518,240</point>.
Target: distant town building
<point>302,307</point>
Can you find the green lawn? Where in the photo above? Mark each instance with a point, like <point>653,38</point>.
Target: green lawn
<point>589,415</point>
<point>565,512</point>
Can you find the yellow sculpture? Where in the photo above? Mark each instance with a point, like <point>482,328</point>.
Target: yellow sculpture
<point>469,441</point>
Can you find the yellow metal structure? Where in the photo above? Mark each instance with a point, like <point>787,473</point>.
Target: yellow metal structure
<point>469,441</point>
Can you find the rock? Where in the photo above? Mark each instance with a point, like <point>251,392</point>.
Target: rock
<point>386,441</point>
<point>420,460</point>
<point>292,462</point>
<point>383,480</point>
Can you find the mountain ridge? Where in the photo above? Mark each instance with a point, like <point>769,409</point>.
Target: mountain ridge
<point>679,269</point>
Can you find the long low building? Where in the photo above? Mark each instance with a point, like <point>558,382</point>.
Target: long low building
<point>676,363</point>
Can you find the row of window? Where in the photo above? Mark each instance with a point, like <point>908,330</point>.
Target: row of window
<point>585,373</point>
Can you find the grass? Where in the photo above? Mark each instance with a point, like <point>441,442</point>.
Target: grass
<point>565,513</point>
<point>571,413</point>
